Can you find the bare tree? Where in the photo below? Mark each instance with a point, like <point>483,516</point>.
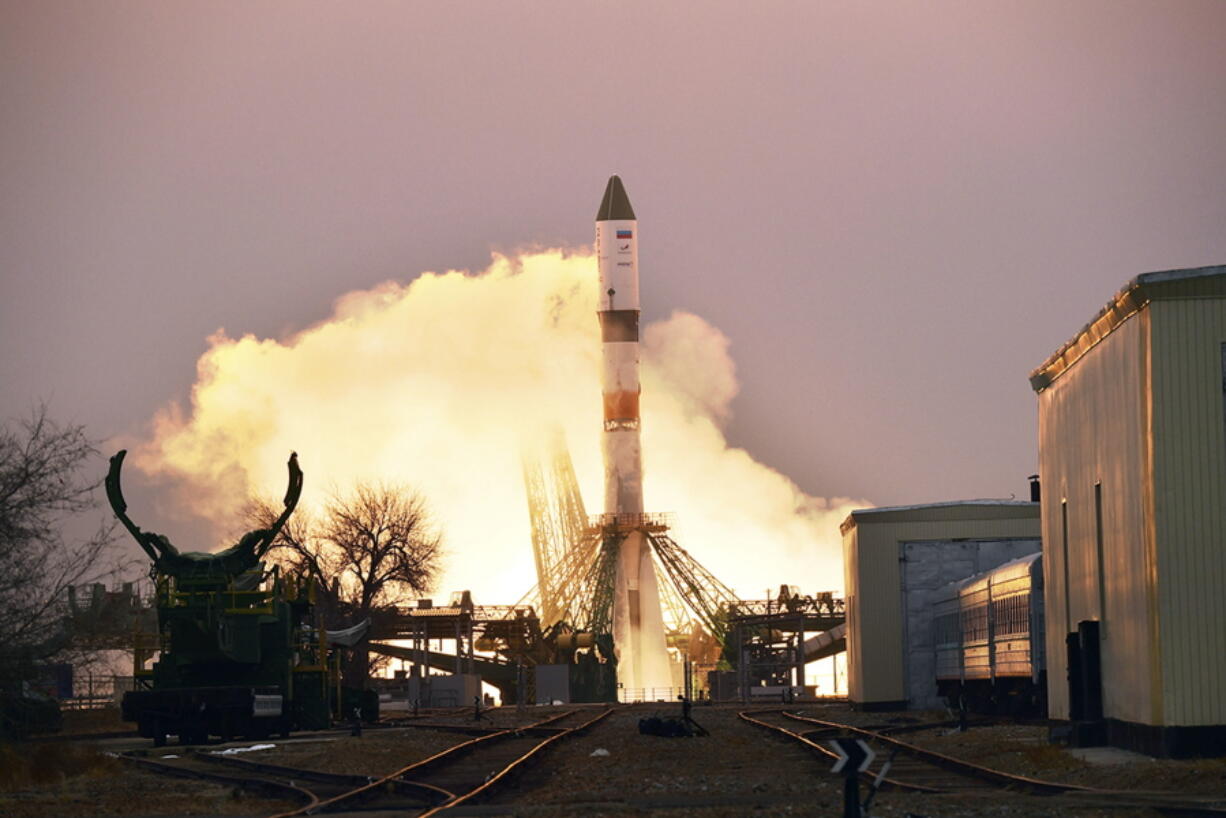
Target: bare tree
<point>389,547</point>
<point>43,486</point>
<point>367,551</point>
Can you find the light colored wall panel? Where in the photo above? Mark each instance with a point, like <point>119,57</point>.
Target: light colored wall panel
<point>851,570</point>
<point>1094,426</point>
<point>1190,506</point>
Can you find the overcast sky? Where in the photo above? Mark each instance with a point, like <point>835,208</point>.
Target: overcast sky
<point>894,211</point>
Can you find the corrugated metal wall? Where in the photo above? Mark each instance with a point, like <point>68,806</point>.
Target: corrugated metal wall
<point>1094,427</point>
<point>873,582</point>
<point>1189,427</point>
<point>1160,455</point>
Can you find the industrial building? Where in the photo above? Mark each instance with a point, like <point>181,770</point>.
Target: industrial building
<point>894,560</point>
<point>1132,458</point>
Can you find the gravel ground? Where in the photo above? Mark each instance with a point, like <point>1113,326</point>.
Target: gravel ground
<point>376,753</point>
<point>1023,749</point>
<point>384,751</point>
<point>738,770</point>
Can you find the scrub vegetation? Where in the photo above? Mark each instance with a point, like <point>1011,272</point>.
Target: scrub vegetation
<point>25,766</point>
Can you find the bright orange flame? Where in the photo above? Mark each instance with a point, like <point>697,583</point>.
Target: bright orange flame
<point>436,383</point>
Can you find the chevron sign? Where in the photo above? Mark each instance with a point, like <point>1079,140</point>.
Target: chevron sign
<point>854,755</point>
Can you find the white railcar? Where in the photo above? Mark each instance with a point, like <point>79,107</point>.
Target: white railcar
<point>988,639</point>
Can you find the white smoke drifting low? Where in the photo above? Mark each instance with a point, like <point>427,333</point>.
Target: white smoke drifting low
<point>435,383</point>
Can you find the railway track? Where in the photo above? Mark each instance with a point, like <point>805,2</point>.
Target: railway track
<point>469,775</point>
<point>916,769</point>
<point>410,719</point>
<point>464,771</point>
<point>424,788</point>
<point>430,722</point>
<point>191,764</point>
<point>310,788</point>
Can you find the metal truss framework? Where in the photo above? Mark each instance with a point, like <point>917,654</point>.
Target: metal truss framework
<point>561,549</point>
<point>576,558</point>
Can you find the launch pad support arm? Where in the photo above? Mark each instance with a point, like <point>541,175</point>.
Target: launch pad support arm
<point>292,493</point>
<point>165,556</point>
<point>114,495</point>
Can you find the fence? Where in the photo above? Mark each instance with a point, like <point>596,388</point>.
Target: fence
<point>97,692</point>
<point>649,694</point>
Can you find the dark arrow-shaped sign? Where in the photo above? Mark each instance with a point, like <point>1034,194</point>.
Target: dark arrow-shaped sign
<point>854,755</point>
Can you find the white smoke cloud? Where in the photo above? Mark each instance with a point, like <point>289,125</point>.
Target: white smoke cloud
<point>435,383</point>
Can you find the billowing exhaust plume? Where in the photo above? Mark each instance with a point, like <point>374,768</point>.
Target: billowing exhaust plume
<point>439,382</point>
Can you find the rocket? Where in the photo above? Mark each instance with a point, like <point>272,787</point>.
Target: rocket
<point>618,254</point>
<point>638,628</point>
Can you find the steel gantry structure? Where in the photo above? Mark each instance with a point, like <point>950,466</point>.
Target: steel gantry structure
<point>576,557</point>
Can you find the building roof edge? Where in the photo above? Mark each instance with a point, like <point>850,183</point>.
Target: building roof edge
<point>860,513</point>
<point>1129,301</point>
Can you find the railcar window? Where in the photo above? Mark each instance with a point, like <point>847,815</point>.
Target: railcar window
<point>975,623</point>
<point>1011,614</point>
<point>945,628</point>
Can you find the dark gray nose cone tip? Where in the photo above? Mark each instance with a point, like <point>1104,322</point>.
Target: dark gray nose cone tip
<point>616,204</point>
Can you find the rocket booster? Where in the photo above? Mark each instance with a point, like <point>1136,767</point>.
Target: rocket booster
<point>638,626</point>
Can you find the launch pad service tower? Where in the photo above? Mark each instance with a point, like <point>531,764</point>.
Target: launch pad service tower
<point>638,626</point>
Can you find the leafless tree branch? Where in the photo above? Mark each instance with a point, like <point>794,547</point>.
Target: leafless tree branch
<point>369,550</point>
<point>43,487</point>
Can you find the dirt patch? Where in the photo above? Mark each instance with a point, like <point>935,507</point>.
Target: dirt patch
<point>1025,750</point>
<point>102,720</point>
<point>34,765</point>
<point>127,791</point>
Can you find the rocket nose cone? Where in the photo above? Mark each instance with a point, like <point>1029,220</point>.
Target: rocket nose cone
<point>615,206</point>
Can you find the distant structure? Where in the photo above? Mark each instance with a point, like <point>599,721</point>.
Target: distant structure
<point>768,648</point>
<point>1132,460</point>
<point>895,560</point>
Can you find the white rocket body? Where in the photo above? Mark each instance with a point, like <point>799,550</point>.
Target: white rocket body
<point>638,623</point>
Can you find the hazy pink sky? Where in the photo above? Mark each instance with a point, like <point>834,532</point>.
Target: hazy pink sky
<point>894,210</point>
